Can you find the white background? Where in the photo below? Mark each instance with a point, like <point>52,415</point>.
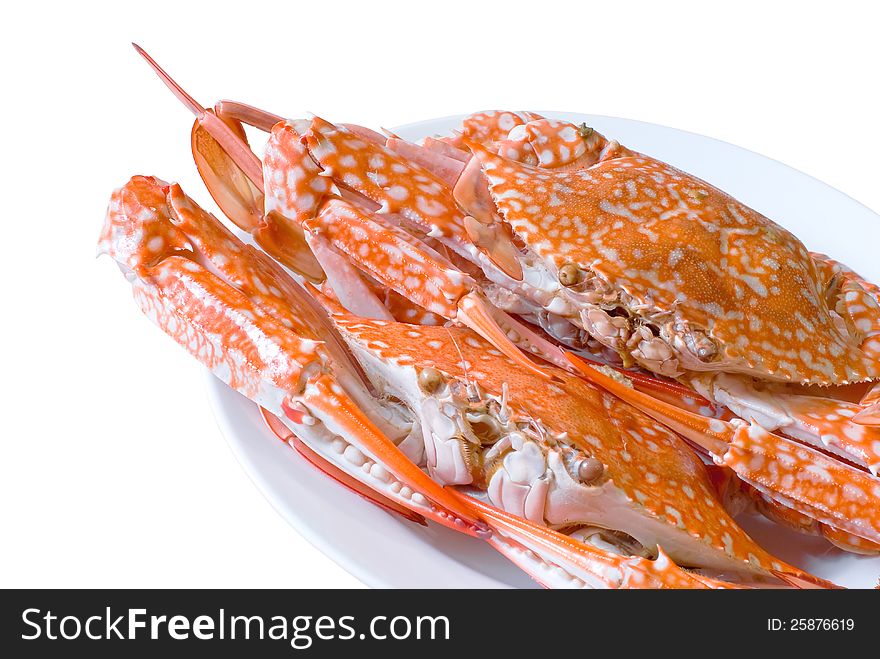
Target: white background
<point>112,469</point>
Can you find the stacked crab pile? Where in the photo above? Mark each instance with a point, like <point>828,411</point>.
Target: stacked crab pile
<point>528,333</point>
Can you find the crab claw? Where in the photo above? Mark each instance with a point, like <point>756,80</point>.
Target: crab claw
<point>484,228</point>
<point>386,179</point>
<point>791,474</point>
<point>230,307</point>
<point>229,138</point>
<point>234,175</point>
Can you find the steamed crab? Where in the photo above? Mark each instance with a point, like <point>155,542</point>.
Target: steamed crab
<point>548,240</point>
<point>579,488</point>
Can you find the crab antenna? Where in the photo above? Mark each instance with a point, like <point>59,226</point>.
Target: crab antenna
<point>231,143</point>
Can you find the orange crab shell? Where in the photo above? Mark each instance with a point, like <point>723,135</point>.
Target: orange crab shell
<point>493,125</point>
<point>675,243</point>
<point>385,178</point>
<point>653,467</point>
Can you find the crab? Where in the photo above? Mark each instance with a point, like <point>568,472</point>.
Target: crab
<point>578,488</point>
<point>677,277</point>
<point>551,240</point>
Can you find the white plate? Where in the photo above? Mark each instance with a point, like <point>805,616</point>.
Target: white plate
<point>384,551</point>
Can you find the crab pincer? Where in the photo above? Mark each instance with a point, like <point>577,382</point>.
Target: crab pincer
<point>232,311</point>
<point>233,174</point>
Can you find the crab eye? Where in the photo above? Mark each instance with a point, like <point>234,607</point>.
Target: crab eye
<point>590,470</point>
<point>430,379</point>
<point>570,275</point>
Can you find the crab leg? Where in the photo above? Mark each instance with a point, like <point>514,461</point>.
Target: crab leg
<point>264,120</point>
<point>491,125</point>
<point>247,114</point>
<point>791,474</point>
<point>446,149</point>
<point>827,423</point>
<point>201,293</point>
<point>443,166</point>
<point>345,281</point>
<point>393,258</point>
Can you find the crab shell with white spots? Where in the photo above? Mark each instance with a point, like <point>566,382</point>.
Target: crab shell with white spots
<point>711,284</point>
<point>653,488</point>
